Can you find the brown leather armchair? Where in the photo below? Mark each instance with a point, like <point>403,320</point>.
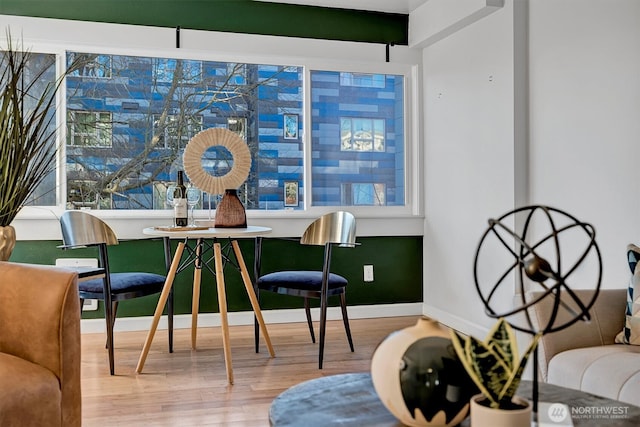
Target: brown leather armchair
<point>39,346</point>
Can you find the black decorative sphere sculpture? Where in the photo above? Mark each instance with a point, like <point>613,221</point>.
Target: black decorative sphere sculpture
<point>551,251</point>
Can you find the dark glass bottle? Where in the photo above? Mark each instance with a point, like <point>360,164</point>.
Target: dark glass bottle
<point>180,212</point>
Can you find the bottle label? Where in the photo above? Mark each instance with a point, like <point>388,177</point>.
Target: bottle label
<point>180,208</point>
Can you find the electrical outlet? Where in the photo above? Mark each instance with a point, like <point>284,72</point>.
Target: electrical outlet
<point>89,304</point>
<point>368,273</point>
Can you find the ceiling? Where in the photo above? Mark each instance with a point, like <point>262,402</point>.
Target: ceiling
<point>389,6</point>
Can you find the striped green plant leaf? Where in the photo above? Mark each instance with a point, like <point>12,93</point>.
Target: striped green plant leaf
<point>514,381</point>
<point>493,364</point>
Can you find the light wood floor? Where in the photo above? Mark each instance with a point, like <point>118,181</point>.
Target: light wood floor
<point>189,388</point>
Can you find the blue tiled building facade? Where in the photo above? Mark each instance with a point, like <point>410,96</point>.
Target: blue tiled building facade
<point>129,119</point>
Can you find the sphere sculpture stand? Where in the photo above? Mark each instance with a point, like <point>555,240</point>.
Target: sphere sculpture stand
<point>538,265</point>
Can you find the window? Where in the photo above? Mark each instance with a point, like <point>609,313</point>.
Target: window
<point>39,74</point>
<point>237,74</point>
<point>358,134</point>
<point>363,194</point>
<point>92,66</point>
<point>175,130</point>
<point>89,129</point>
<point>129,118</point>
<point>357,139</point>
<point>362,80</point>
<point>238,125</point>
<point>154,114</point>
<point>164,70</point>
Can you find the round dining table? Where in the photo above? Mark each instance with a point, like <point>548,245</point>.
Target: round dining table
<point>205,238</point>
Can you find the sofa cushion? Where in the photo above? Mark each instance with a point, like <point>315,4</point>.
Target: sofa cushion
<point>606,322</point>
<point>611,371</point>
<point>631,331</point>
<point>34,398</point>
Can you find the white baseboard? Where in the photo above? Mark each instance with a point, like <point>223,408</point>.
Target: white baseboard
<point>246,317</point>
<point>455,322</point>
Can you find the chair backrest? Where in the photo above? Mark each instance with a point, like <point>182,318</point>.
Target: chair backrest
<point>80,228</point>
<point>335,227</point>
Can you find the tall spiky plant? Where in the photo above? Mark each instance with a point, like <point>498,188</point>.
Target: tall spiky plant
<point>27,128</point>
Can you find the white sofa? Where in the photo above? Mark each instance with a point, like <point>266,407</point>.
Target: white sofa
<point>584,356</point>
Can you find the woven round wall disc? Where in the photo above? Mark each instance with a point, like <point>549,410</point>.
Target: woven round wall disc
<point>212,137</point>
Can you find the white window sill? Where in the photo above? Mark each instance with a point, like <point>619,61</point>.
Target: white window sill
<point>43,223</point>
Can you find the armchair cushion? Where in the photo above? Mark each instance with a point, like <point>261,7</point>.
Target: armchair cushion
<point>608,370</point>
<point>39,346</point>
<point>28,386</point>
<point>606,322</point>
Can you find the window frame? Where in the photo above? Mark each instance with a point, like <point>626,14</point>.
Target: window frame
<point>327,56</point>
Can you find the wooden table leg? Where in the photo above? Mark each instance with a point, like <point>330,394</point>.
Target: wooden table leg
<point>252,295</point>
<point>222,303</point>
<point>168,283</point>
<point>195,304</point>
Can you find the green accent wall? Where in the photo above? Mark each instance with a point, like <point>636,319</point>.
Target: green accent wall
<point>397,265</point>
<point>397,261</point>
<point>236,16</point>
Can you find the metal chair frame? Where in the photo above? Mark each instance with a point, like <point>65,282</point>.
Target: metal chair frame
<point>332,229</point>
<point>83,230</point>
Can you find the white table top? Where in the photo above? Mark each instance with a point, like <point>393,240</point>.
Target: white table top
<point>250,231</point>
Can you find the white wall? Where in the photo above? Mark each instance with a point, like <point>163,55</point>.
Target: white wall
<point>582,123</point>
<point>585,119</point>
<point>469,154</point>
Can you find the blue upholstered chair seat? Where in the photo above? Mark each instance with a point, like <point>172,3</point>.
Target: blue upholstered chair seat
<point>140,283</point>
<point>306,280</point>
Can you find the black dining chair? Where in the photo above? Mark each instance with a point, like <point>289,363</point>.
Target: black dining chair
<point>82,230</point>
<point>332,229</point>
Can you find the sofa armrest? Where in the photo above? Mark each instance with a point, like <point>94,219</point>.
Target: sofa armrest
<point>40,318</point>
<point>607,320</point>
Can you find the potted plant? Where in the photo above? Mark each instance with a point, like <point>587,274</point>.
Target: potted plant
<point>27,133</point>
<point>494,367</point>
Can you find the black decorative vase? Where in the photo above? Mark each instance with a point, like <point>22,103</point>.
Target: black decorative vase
<point>230,212</point>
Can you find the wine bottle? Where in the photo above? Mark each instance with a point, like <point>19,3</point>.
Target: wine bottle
<point>180,212</point>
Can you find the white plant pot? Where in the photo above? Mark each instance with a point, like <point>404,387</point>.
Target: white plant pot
<point>484,416</point>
